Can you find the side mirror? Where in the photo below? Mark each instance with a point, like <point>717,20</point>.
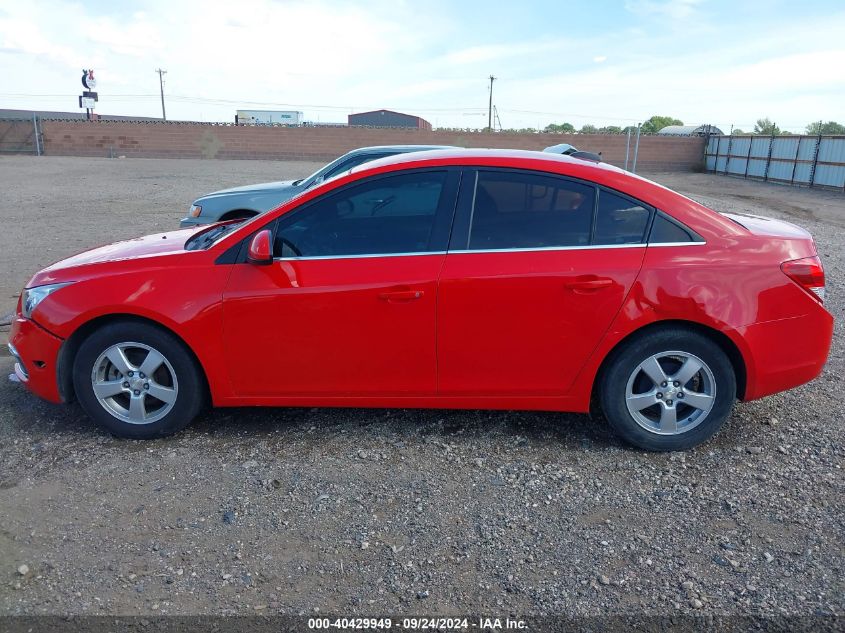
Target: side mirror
<point>260,250</point>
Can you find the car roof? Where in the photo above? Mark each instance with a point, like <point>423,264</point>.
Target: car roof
<point>398,148</point>
<point>525,159</point>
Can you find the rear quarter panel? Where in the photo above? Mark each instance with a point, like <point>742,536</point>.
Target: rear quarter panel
<point>732,284</point>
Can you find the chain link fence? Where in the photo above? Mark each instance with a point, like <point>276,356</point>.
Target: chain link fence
<point>21,136</point>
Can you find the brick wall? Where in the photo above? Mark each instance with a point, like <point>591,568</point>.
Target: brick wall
<point>185,140</point>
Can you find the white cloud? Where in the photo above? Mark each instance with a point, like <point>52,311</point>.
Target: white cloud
<point>329,58</point>
<point>20,35</point>
<point>673,9</point>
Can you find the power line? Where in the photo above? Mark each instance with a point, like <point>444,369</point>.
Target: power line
<point>469,110</point>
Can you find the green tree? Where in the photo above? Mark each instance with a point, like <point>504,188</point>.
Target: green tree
<point>588,129</point>
<point>738,132</point>
<point>629,128</point>
<point>657,123</point>
<point>610,129</point>
<point>766,127</point>
<point>560,128</point>
<point>831,127</point>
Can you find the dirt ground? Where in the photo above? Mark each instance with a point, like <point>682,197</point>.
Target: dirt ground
<point>403,511</point>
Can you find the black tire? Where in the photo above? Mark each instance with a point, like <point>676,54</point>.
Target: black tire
<point>187,382</point>
<point>626,360</point>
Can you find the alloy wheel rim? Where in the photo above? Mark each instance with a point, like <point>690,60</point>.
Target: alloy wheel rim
<point>135,383</point>
<point>670,393</point>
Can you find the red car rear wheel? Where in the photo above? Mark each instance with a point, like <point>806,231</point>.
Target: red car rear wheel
<point>668,390</point>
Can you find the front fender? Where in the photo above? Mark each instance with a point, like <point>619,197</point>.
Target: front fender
<point>188,304</point>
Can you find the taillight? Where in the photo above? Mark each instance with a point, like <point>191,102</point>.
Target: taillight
<point>807,273</point>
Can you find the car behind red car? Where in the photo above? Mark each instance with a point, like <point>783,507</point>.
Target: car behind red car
<point>455,279</point>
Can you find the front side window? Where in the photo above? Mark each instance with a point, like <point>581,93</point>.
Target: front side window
<point>526,210</point>
<point>385,215</point>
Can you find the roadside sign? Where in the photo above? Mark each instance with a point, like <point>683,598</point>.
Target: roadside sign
<point>88,79</point>
<point>88,99</point>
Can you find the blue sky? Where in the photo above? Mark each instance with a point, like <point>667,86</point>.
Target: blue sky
<point>600,62</point>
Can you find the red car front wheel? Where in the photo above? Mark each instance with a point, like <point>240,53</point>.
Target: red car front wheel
<point>137,380</point>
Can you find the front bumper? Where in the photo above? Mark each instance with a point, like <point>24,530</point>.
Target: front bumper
<point>36,354</point>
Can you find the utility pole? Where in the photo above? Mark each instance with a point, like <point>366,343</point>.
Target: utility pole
<point>490,106</point>
<point>161,74</point>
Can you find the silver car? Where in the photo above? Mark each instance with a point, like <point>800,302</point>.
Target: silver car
<point>244,202</point>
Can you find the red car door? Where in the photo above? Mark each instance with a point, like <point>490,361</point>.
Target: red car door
<point>347,308</point>
<point>537,269</point>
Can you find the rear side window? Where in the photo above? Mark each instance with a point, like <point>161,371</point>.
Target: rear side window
<point>665,231</point>
<point>619,220</point>
<point>526,210</point>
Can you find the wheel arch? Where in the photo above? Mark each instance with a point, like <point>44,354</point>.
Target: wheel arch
<point>725,343</point>
<point>70,348</point>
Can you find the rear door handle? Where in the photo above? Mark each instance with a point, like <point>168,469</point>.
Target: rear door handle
<point>589,284</point>
<point>401,295</point>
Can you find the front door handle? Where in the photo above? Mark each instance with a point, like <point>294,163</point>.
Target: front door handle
<point>401,295</point>
<point>588,285</point>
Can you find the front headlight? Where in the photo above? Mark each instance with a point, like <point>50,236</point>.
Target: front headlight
<point>31,297</point>
<point>195,211</point>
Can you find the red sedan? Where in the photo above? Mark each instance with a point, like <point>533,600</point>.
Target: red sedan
<point>454,279</point>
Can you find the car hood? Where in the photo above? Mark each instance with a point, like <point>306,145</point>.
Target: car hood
<point>155,245</point>
<point>263,187</point>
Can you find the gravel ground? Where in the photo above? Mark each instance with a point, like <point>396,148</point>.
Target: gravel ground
<point>403,511</point>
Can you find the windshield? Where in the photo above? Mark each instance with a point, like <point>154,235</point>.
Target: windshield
<point>341,166</point>
<point>320,172</point>
<point>205,239</point>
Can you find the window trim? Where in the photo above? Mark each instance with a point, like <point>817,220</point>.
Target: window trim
<point>361,256</point>
<point>533,249</point>
<point>588,247</point>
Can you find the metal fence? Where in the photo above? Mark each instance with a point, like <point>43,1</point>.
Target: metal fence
<point>21,136</point>
<point>810,161</point>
